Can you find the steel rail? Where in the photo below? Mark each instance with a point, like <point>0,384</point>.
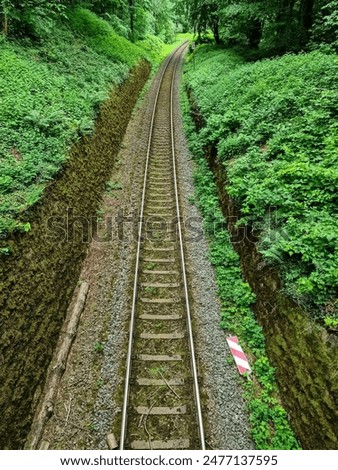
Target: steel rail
<point>139,243</point>
<point>183,265</point>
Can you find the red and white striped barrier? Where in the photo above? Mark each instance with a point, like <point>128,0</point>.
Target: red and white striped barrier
<point>238,355</point>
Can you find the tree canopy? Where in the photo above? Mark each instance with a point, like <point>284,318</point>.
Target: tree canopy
<point>131,18</point>
<point>273,25</point>
<point>278,25</point>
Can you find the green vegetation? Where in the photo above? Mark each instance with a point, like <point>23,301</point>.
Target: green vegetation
<point>100,36</point>
<point>274,125</point>
<point>53,77</point>
<point>110,186</point>
<point>151,266</point>
<point>266,26</point>
<point>269,425</point>
<point>99,347</point>
<point>151,290</point>
<point>157,50</point>
<point>132,19</point>
<point>49,95</point>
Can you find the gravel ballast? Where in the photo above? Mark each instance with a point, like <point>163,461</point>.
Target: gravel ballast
<point>89,400</point>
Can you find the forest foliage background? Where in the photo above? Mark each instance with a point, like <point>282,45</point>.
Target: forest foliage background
<point>274,26</point>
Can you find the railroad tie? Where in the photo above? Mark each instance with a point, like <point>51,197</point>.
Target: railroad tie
<point>159,260</point>
<point>160,357</point>
<point>161,410</point>
<point>171,444</point>
<point>175,335</point>
<point>161,201</point>
<point>160,301</point>
<point>147,316</point>
<point>160,216</point>
<point>161,285</point>
<point>169,248</point>
<point>161,273</point>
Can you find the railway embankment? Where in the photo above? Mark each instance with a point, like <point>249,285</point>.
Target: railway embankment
<point>39,276</point>
<point>243,114</point>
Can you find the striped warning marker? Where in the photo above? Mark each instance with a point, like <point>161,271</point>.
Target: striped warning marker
<point>238,355</point>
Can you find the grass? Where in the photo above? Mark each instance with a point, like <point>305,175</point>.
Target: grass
<point>111,186</point>
<point>155,371</point>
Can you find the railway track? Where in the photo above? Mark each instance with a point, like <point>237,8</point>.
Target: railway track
<point>161,406</point>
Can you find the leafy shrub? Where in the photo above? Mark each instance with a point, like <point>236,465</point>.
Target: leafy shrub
<point>153,46</point>
<point>325,30</point>
<point>274,125</point>
<point>50,93</point>
<point>268,420</point>
<point>31,17</point>
<point>101,37</point>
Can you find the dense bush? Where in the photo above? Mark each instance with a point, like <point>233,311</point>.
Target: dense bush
<point>133,19</point>
<point>274,124</point>
<point>325,29</point>
<point>50,92</point>
<point>268,420</point>
<point>101,37</point>
<point>156,50</point>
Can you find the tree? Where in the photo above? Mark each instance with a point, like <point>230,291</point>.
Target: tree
<point>243,21</point>
<point>277,25</point>
<point>204,14</point>
<point>182,15</point>
<point>292,23</point>
<point>5,14</point>
<point>325,25</point>
<point>307,14</point>
<point>139,18</point>
<point>131,16</point>
<point>27,13</point>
